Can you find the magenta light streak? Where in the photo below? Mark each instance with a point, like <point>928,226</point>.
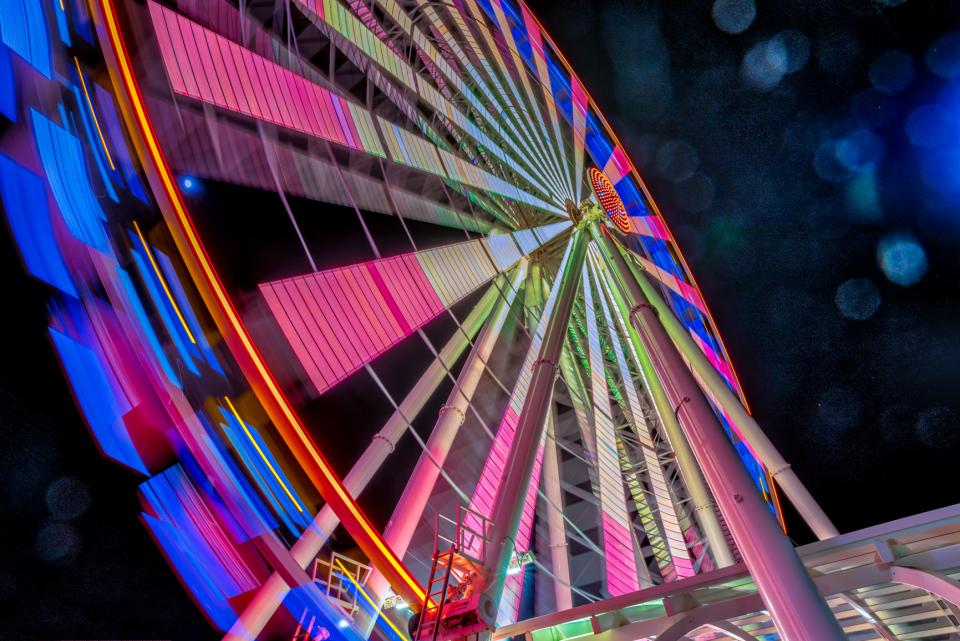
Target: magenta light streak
<point>199,63</point>
<point>339,319</point>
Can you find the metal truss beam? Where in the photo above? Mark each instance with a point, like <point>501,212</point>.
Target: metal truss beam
<point>858,563</point>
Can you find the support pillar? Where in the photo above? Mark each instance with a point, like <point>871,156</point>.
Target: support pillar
<point>703,505</point>
<point>409,509</point>
<point>508,505</point>
<point>797,609</point>
<point>268,598</point>
<point>812,514</point>
<point>556,531</point>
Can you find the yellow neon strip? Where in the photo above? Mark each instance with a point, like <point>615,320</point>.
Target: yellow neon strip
<point>260,452</point>
<point>163,172</point>
<point>377,608</point>
<point>93,112</point>
<point>163,282</point>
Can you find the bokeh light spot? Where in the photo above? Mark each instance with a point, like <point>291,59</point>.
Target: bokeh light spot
<point>943,56</point>
<point>764,65</point>
<point>797,48</point>
<point>863,198</point>
<point>734,16</point>
<point>858,299</point>
<point>940,170</point>
<point>676,160</point>
<point>189,184</point>
<point>892,71</point>
<point>58,543</point>
<point>902,259</point>
<point>67,498</point>
<point>839,408</point>
<point>860,150</point>
<point>938,427</point>
<point>929,126</point>
<point>826,163</point>
<point>694,194</point>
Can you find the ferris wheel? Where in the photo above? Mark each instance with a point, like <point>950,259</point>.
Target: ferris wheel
<point>309,243</point>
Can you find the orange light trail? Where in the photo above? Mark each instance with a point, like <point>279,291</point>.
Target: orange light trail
<point>302,446</point>
<point>96,121</point>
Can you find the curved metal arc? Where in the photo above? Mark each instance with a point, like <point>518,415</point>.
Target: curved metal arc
<point>225,315</point>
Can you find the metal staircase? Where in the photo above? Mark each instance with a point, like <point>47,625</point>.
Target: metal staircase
<point>459,547</point>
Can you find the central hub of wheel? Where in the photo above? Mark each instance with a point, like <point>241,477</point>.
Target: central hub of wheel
<point>609,199</point>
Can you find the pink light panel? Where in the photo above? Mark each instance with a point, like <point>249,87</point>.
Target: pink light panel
<point>618,548</point>
<point>208,67</point>
<point>337,320</point>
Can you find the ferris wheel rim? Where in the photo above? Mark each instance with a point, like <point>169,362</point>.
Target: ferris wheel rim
<point>174,194</point>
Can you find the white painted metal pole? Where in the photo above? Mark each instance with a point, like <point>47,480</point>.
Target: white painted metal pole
<point>556,530</point>
<point>268,598</point>
<point>508,504</point>
<point>703,505</point>
<point>812,514</point>
<point>409,509</point>
<point>795,605</point>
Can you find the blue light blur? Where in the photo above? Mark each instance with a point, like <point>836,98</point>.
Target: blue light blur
<point>190,184</point>
<point>892,71</point>
<point>930,126</point>
<point>902,259</point>
<point>943,56</point>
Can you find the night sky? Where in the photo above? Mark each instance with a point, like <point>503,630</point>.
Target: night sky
<point>806,155</point>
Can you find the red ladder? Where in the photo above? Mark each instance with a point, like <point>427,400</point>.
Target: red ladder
<point>442,564</point>
<point>462,561</point>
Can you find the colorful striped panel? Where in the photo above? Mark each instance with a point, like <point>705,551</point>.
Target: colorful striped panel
<point>503,249</point>
<point>617,166</point>
<point>265,471</point>
<point>8,86</point>
<point>196,544</point>
<point>526,240</point>
<point>239,157</point>
<point>23,28</point>
<point>718,363</point>
<point>649,226</point>
<point>535,40</point>
<point>62,158</point>
<point>580,102</point>
<point>491,106</point>
<point>346,24</point>
<point>410,149</point>
<point>462,171</point>
<point>208,67</point>
<point>534,116</point>
<point>24,198</point>
<point>682,563</point>
<point>686,291</point>
<point>337,320</point>
<point>383,54</point>
<point>618,547</point>
<point>96,390</point>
